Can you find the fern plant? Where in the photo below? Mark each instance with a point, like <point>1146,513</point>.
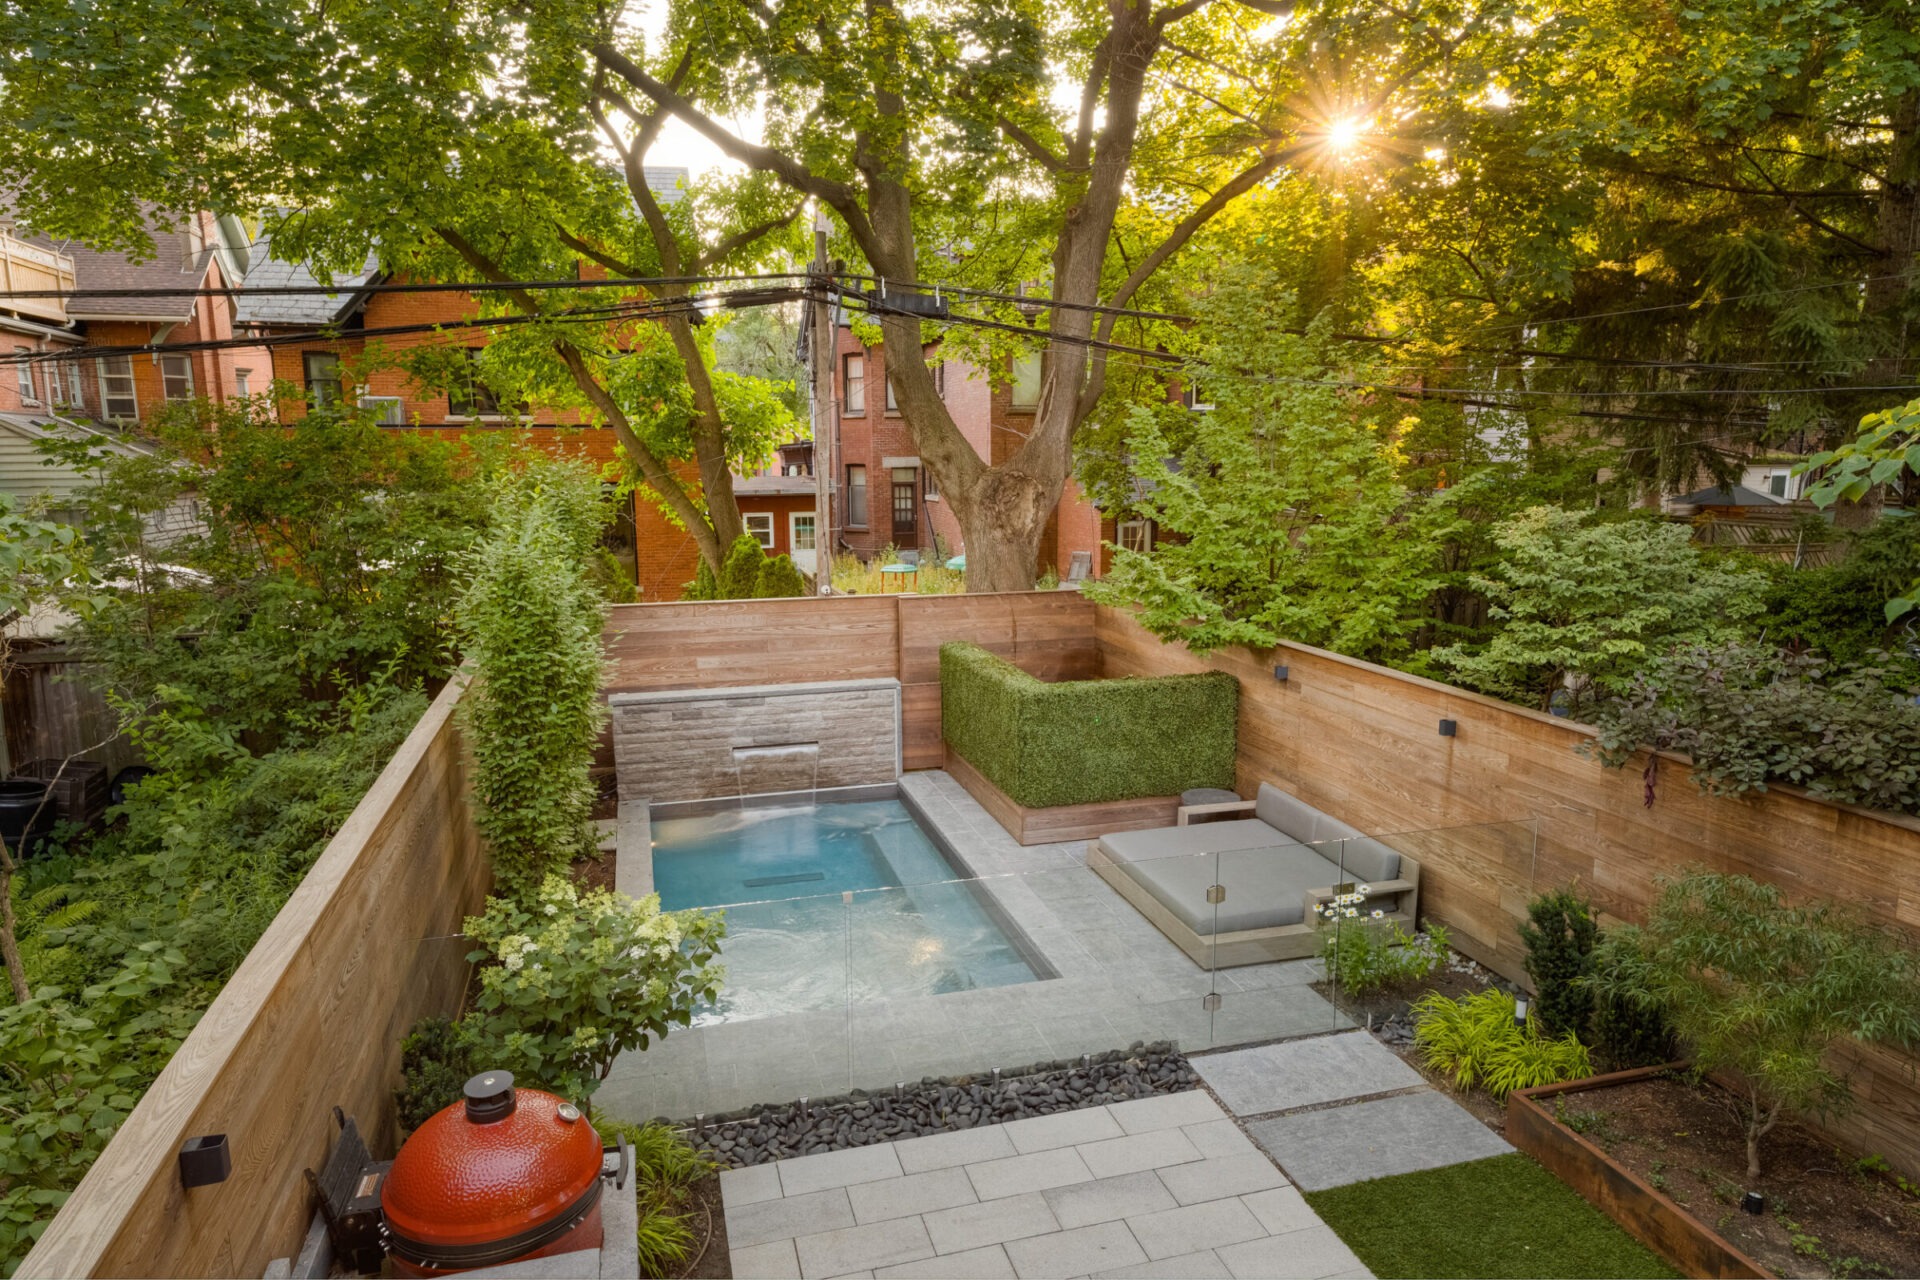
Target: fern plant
<point>1476,1041</point>
<point>43,924</point>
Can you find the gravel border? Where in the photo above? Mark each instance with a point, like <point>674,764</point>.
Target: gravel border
<point>864,1118</point>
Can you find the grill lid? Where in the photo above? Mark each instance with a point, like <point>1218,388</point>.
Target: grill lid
<point>505,1167</point>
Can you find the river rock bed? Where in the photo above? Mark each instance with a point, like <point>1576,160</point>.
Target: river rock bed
<point>862,1118</point>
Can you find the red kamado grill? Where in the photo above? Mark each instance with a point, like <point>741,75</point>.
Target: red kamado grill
<point>507,1175</point>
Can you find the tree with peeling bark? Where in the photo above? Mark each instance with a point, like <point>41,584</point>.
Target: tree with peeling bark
<point>446,139</point>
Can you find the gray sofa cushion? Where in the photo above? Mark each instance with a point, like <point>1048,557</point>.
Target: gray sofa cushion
<point>1178,842</point>
<point>1266,888</point>
<point>1362,859</point>
<point>1286,814</point>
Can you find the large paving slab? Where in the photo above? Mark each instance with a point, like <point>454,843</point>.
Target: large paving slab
<point>1304,1073</point>
<point>1159,1187</point>
<point>1339,1145</point>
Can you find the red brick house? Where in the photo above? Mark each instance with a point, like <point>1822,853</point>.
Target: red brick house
<point>886,498</point>
<point>169,328</point>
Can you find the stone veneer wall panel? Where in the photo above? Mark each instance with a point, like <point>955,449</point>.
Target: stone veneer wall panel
<point>694,744</point>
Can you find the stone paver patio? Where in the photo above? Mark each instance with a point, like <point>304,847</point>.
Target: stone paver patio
<point>1165,1186</point>
<point>1344,1108</point>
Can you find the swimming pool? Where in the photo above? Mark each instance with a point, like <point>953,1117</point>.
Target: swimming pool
<point>833,904</point>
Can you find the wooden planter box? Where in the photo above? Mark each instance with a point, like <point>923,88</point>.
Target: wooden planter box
<point>1650,1217</point>
<point>1061,822</point>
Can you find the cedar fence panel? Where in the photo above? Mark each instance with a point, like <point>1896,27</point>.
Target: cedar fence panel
<point>366,946</point>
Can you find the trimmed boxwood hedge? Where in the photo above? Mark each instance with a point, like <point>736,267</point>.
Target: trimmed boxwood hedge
<point>1086,741</point>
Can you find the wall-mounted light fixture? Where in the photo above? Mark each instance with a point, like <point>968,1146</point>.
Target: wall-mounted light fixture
<point>1449,728</point>
<point>1280,673</point>
<point>205,1160</point>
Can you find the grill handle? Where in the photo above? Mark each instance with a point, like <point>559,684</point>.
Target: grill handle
<point>626,1163</point>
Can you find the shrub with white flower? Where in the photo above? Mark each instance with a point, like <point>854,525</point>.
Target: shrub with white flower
<point>1364,951</point>
<point>572,980</point>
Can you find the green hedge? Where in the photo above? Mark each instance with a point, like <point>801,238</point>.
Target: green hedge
<point>1086,741</point>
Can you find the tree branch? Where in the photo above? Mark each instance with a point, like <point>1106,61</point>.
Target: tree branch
<point>842,197</point>
<point>652,468</point>
<point>593,252</point>
<point>1033,146</point>
<point>741,239</point>
<point>1182,232</point>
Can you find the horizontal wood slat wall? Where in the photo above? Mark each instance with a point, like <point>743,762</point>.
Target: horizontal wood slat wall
<point>722,643</point>
<point>362,950</point>
<point>1363,742</point>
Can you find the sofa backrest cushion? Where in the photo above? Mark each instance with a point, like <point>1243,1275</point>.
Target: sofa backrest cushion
<point>1365,859</point>
<point>1285,813</point>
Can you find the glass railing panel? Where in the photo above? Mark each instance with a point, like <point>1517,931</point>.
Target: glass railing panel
<point>777,1032</point>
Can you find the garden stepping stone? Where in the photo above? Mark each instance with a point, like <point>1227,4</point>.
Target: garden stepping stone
<point>1339,1145</point>
<point>1304,1073</point>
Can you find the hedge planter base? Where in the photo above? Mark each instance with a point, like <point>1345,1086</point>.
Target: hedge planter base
<point>1064,822</point>
<point>1649,1216</point>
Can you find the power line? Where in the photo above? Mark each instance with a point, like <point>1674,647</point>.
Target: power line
<point>242,290</point>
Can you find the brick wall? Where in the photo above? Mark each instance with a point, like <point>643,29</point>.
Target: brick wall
<point>43,374</point>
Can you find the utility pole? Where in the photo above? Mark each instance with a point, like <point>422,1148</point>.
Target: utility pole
<point>821,350</point>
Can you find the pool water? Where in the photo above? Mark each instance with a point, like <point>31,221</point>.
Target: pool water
<point>831,904</point>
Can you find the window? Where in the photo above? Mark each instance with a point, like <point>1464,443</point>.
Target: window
<point>1136,535</point>
<point>74,392</point>
<point>116,388</point>
<point>242,379</point>
<point>1197,397</point>
<point>801,525</point>
<point>176,377</point>
<point>855,399</point>
<point>1777,484</point>
<point>929,489</point>
<point>1026,381</point>
<point>388,411</point>
<point>323,376</point>
<point>857,497</point>
<point>893,405</point>
<point>476,399</point>
<point>760,525</point>
<point>23,374</point>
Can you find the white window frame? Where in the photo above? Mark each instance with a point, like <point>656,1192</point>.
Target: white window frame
<point>760,525</point>
<point>893,402</point>
<point>1134,535</point>
<point>1191,397</point>
<point>175,367</point>
<point>313,385</point>
<point>241,380</point>
<point>852,404</point>
<point>866,496</point>
<point>794,520</point>
<point>392,415</point>
<point>108,395</point>
<point>23,376</point>
<point>76,389</point>
<point>1037,361</point>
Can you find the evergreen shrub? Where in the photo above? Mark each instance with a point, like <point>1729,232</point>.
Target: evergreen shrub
<point>1086,741</point>
<point>1560,935</point>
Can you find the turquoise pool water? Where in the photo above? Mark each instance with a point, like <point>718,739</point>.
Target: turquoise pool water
<point>831,904</point>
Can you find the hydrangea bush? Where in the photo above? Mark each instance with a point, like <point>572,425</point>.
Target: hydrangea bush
<point>573,979</point>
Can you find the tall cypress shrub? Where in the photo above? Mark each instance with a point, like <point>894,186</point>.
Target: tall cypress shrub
<point>531,622</point>
<point>1560,935</point>
<point>740,572</point>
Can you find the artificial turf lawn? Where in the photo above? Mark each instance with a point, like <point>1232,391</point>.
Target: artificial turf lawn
<point>1504,1216</point>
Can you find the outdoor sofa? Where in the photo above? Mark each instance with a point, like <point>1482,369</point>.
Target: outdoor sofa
<point>1275,867</point>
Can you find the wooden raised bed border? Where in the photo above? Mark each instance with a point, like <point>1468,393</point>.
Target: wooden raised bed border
<point>1646,1214</point>
<point>1060,823</point>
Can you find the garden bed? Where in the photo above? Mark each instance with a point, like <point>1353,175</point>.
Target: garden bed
<point>1663,1145</point>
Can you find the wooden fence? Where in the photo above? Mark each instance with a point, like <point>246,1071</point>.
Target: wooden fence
<point>1363,742</point>
<point>722,643</point>
<point>365,947</point>
<point>51,711</point>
